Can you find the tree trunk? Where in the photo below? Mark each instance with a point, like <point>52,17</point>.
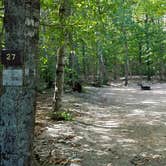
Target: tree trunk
<point>162,64</point>
<point>75,69</point>
<point>64,12</point>
<point>140,60</point>
<point>17,103</point>
<point>84,63</point>
<point>71,67</point>
<point>126,56</point>
<point>1,40</point>
<point>103,79</point>
<point>57,100</point>
<point>147,48</point>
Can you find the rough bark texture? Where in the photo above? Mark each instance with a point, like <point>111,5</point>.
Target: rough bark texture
<point>17,104</point>
<point>1,39</point>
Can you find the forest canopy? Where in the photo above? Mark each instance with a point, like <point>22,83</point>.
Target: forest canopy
<point>110,39</point>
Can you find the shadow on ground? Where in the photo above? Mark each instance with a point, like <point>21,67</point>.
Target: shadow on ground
<point>113,126</point>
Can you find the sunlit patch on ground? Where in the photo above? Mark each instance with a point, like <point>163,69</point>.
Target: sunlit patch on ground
<point>117,126</point>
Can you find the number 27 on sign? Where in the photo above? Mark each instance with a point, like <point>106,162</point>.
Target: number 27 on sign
<point>10,57</point>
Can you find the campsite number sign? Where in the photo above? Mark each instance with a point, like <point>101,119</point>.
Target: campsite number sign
<point>12,77</point>
<point>11,58</point>
<point>12,71</point>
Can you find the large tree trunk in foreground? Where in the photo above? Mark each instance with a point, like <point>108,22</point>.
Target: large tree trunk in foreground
<point>17,103</point>
<point>1,40</point>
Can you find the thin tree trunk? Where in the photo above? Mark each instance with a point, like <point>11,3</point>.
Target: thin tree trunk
<point>101,68</point>
<point>162,64</point>
<point>140,60</point>
<point>17,104</point>
<point>103,79</point>
<point>126,49</point>
<point>147,48</point>
<point>126,56</point>
<point>57,102</point>
<point>75,69</point>
<point>64,12</point>
<point>71,66</point>
<point>115,69</point>
<point>84,64</point>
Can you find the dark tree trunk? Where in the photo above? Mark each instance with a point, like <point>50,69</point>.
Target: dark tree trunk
<point>140,60</point>
<point>147,48</point>
<point>84,58</point>
<point>1,40</point>
<point>162,64</point>
<point>72,69</point>
<point>75,69</point>
<point>126,55</point>
<point>17,103</point>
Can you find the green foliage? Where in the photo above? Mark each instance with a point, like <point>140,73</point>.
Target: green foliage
<point>70,76</point>
<point>61,116</point>
<point>47,70</point>
<point>113,24</point>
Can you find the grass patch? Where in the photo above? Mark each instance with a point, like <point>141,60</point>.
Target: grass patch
<point>63,115</point>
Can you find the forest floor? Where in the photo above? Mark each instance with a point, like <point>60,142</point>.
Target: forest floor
<point>112,126</point>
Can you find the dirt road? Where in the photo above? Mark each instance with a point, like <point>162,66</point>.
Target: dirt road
<point>114,126</point>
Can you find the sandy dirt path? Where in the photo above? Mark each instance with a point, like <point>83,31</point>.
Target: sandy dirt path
<point>114,126</point>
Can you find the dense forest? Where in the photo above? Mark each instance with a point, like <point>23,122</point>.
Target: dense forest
<point>77,48</point>
<point>103,40</point>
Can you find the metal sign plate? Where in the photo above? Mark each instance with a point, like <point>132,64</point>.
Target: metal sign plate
<point>11,57</point>
<point>12,77</point>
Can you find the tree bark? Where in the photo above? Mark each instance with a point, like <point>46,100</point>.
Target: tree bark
<point>126,55</point>
<point>17,103</point>
<point>102,74</point>
<point>140,59</point>
<point>84,61</point>
<point>72,68</point>
<point>147,48</point>
<point>64,13</point>
<point>1,40</point>
<point>57,100</point>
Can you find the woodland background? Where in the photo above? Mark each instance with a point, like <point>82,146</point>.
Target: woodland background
<point>105,40</point>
